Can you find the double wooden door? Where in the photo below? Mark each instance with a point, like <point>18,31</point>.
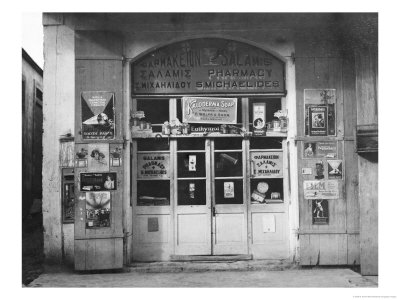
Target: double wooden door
<point>210,212</point>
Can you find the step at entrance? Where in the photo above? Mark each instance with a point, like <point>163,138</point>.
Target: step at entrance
<point>211,257</point>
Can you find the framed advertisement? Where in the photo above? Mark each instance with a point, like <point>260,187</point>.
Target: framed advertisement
<point>209,110</point>
<point>320,149</point>
<point>320,212</point>
<point>259,119</point>
<point>98,181</point>
<point>98,158</point>
<point>335,169</point>
<point>324,98</point>
<point>98,115</point>
<point>317,118</point>
<point>98,209</point>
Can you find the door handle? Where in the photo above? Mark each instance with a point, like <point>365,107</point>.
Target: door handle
<point>213,211</point>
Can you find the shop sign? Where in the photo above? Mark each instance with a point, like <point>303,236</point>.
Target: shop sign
<point>267,164</point>
<point>98,115</point>
<point>321,189</point>
<point>204,128</point>
<point>209,110</point>
<point>208,65</point>
<point>98,181</point>
<point>320,149</point>
<point>153,165</point>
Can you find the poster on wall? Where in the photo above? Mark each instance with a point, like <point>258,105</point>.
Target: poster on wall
<point>267,164</point>
<point>323,98</point>
<point>115,155</point>
<point>98,115</point>
<point>320,212</point>
<point>321,189</point>
<point>320,149</point>
<point>98,209</point>
<point>335,169</point>
<point>317,116</point>
<point>98,181</point>
<point>98,157</point>
<point>81,157</point>
<point>209,110</point>
<point>259,119</point>
<point>153,165</point>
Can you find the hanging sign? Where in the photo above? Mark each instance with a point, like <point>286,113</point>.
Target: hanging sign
<point>98,115</point>
<point>153,165</point>
<point>321,189</point>
<point>267,164</point>
<point>209,110</point>
<point>208,65</point>
<point>320,149</point>
<point>98,181</point>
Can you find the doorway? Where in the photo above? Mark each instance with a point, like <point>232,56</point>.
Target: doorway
<point>210,211</point>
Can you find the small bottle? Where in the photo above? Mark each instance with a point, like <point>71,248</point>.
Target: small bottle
<point>185,128</point>
<point>166,128</point>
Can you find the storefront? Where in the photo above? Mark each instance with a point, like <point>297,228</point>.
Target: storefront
<point>206,142</point>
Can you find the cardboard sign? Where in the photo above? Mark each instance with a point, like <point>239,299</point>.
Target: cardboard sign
<point>209,110</point>
<point>153,165</point>
<point>98,115</point>
<point>98,181</point>
<point>267,164</point>
<point>321,189</point>
<point>229,189</point>
<point>320,212</point>
<point>259,119</point>
<point>317,116</point>
<point>327,149</point>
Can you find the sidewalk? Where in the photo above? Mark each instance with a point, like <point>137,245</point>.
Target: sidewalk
<point>317,277</point>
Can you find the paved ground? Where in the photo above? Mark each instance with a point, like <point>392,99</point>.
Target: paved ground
<point>286,278</point>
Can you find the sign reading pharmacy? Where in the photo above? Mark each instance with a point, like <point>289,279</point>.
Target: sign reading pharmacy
<point>267,164</point>
<point>209,110</point>
<point>208,65</point>
<point>153,165</point>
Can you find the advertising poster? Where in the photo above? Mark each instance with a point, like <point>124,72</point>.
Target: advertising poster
<point>115,155</point>
<point>98,181</point>
<point>267,164</point>
<point>259,119</point>
<point>320,97</point>
<point>81,158</point>
<point>317,116</point>
<point>320,149</point>
<point>321,189</point>
<point>98,209</point>
<point>320,212</point>
<point>98,157</point>
<point>319,170</point>
<point>335,169</point>
<point>229,189</point>
<point>209,110</point>
<point>153,165</point>
<point>98,115</point>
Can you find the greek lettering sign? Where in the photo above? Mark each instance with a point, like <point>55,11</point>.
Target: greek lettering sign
<point>208,65</point>
<point>321,189</point>
<point>267,164</point>
<point>98,115</point>
<point>209,110</point>
<point>153,165</point>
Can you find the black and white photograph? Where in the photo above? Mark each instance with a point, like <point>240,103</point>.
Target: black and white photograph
<point>167,149</point>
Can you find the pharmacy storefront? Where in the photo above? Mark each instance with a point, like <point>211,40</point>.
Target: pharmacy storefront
<point>198,144</point>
